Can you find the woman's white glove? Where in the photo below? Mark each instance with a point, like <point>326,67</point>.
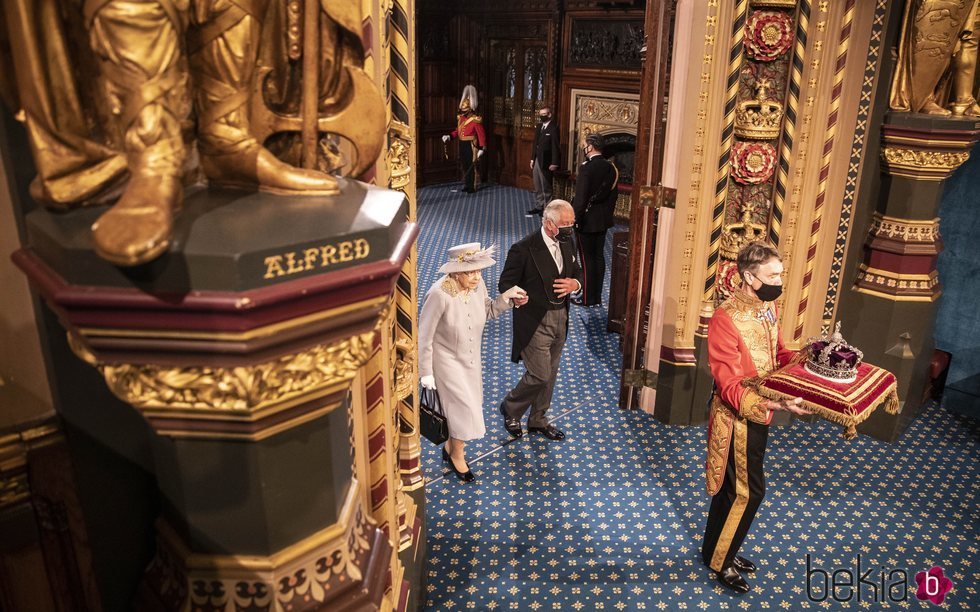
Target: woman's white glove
<point>514,292</point>
<point>446,137</point>
<point>429,382</point>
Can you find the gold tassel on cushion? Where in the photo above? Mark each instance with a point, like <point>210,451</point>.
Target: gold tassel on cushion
<point>891,403</point>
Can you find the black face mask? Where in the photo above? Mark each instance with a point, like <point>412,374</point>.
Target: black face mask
<point>769,293</point>
<point>544,118</point>
<point>564,234</point>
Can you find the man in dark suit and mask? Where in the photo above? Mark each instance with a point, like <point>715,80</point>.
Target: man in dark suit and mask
<point>542,263</point>
<point>594,203</point>
<point>544,161</point>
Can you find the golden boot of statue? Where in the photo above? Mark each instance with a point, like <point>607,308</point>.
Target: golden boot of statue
<point>268,88</point>
<point>147,90</point>
<point>937,58</point>
<point>964,68</point>
<point>223,61</point>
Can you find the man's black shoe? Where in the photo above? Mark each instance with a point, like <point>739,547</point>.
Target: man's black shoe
<point>733,580</point>
<point>548,431</point>
<point>742,564</point>
<point>513,426</point>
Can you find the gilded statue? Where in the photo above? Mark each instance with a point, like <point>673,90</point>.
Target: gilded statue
<point>128,101</point>
<point>937,58</point>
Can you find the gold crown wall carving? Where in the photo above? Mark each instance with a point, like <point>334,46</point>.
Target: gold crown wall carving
<point>761,117</point>
<point>736,235</point>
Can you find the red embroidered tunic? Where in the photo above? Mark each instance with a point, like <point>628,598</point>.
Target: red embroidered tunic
<point>470,127</point>
<point>744,342</point>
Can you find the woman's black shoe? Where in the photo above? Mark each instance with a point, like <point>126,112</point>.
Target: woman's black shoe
<point>445,455</point>
<point>466,476</point>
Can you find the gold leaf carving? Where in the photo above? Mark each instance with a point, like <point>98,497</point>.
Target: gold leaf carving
<point>930,160</point>
<point>239,388</point>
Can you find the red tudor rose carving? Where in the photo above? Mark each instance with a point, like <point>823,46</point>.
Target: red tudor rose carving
<point>753,162</point>
<point>768,34</point>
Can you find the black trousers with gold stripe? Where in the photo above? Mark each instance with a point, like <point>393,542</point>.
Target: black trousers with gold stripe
<point>733,508</point>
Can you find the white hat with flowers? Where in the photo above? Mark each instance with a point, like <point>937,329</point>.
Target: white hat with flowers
<point>468,257</point>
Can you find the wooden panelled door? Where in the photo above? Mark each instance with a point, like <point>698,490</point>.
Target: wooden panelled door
<point>518,83</point>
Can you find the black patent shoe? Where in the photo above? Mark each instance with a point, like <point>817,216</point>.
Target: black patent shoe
<point>513,426</point>
<point>548,431</point>
<point>733,580</point>
<point>466,476</point>
<point>742,564</point>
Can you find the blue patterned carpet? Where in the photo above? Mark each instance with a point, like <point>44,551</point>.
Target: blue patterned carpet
<point>612,517</point>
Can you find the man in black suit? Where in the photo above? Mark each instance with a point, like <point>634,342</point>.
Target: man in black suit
<point>594,203</point>
<point>544,161</point>
<point>544,265</point>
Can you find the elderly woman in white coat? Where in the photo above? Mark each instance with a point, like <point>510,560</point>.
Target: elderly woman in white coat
<point>455,310</point>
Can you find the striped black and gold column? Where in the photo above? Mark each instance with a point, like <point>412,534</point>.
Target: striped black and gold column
<point>789,122</point>
<point>736,55</point>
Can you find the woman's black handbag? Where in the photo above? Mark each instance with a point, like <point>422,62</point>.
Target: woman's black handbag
<point>432,420</point>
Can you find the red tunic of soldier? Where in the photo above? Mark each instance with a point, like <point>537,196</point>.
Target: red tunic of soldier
<point>469,126</point>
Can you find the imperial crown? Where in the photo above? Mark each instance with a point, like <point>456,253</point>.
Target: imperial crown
<point>761,118</point>
<point>736,235</point>
<point>831,357</point>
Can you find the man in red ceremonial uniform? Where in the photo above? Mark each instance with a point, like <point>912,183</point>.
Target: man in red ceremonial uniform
<point>744,343</point>
<point>472,138</point>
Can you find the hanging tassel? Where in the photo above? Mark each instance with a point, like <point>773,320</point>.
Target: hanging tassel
<point>891,403</point>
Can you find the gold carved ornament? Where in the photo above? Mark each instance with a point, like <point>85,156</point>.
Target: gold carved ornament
<point>905,230</point>
<point>398,156</point>
<point>245,388</point>
<point>760,118</point>
<point>736,235</point>
<point>312,570</point>
<point>784,4</point>
<point>116,120</point>
<point>922,164</point>
<point>404,369</point>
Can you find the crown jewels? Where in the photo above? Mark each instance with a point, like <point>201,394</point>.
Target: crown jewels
<point>761,118</point>
<point>736,235</point>
<point>833,358</point>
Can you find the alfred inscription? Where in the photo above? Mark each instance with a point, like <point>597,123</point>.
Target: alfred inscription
<point>322,256</point>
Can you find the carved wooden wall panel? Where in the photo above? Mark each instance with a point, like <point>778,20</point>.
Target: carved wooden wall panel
<point>534,40</point>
